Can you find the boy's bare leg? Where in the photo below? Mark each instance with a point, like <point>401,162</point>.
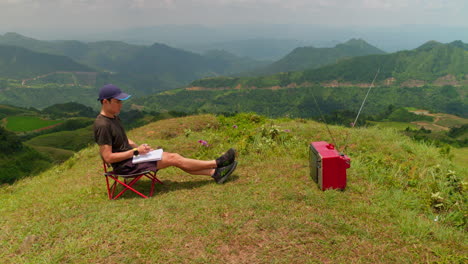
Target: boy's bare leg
<point>188,165</point>
<point>207,172</point>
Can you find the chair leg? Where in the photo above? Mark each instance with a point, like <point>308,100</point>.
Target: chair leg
<point>128,185</point>
<point>111,188</point>
<point>152,187</point>
<point>154,180</point>
<point>154,175</point>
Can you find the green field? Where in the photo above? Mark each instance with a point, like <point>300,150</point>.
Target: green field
<point>68,140</point>
<point>460,156</point>
<point>58,155</point>
<point>28,123</point>
<point>396,125</point>
<point>451,121</point>
<point>404,202</point>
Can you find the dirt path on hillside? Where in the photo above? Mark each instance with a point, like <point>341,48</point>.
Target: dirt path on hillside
<point>427,125</point>
<point>47,127</point>
<point>437,118</point>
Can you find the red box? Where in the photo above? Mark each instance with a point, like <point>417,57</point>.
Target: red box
<point>328,166</point>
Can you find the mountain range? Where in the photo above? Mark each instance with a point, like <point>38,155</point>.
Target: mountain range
<point>158,59</point>
<point>431,63</point>
<point>265,49</point>
<point>55,68</point>
<point>139,69</point>
<point>17,62</point>
<point>303,58</point>
<point>240,38</point>
<point>433,76</point>
<point>176,67</point>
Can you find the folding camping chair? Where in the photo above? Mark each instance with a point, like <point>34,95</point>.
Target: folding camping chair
<point>128,182</point>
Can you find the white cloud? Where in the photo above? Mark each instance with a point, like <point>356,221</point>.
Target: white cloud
<point>377,4</point>
<point>442,4</point>
<point>129,13</point>
<point>14,1</point>
<point>144,4</point>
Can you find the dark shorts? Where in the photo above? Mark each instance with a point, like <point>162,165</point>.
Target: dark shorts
<point>129,168</point>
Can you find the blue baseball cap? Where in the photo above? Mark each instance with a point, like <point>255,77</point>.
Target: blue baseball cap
<point>109,91</point>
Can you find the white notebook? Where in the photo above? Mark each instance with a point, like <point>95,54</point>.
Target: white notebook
<point>150,156</point>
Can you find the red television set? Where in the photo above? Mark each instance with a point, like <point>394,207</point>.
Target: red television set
<point>328,166</point>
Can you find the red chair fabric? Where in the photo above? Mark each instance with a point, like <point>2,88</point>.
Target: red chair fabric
<point>127,182</point>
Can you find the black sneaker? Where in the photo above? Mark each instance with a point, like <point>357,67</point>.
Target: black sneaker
<point>221,174</point>
<point>226,159</point>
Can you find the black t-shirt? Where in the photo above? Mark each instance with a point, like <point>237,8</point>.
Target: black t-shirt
<point>109,131</point>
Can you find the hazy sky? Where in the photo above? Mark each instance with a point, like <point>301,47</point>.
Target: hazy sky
<point>121,14</point>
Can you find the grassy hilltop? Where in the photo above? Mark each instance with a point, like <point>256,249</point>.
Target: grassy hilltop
<point>405,202</point>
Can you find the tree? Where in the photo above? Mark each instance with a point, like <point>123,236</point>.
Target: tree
<point>10,142</point>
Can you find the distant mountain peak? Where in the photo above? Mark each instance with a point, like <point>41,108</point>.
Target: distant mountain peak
<point>358,43</point>
<point>160,45</point>
<point>303,58</point>
<point>354,41</point>
<point>14,35</point>
<point>459,44</point>
<point>429,45</point>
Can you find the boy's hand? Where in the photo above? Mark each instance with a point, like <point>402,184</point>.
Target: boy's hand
<point>144,148</point>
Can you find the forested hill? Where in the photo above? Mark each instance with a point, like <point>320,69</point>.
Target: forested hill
<point>425,64</point>
<point>169,64</point>
<point>433,76</point>
<point>139,70</point>
<point>310,57</point>
<point>431,63</point>
<point>17,63</point>
<point>181,65</point>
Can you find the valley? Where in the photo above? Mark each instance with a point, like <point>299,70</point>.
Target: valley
<point>48,92</point>
<point>238,95</point>
<point>405,199</point>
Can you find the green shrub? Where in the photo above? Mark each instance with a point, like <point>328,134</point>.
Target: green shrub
<point>403,115</point>
<point>22,164</point>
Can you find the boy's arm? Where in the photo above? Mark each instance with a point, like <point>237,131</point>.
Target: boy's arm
<point>132,143</point>
<point>110,157</point>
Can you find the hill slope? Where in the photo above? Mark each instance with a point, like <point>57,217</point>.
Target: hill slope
<point>269,49</point>
<point>172,64</point>
<point>140,70</point>
<point>17,62</point>
<point>299,101</point>
<point>391,211</point>
<point>426,63</point>
<point>432,63</point>
<point>309,57</point>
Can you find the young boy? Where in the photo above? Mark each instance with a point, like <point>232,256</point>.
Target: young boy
<point>118,150</point>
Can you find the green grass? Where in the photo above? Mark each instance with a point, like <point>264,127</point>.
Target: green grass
<point>68,140</point>
<point>12,110</point>
<point>56,154</point>
<point>460,156</point>
<point>396,125</point>
<point>28,123</point>
<point>270,212</point>
<point>451,121</point>
<point>411,108</point>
